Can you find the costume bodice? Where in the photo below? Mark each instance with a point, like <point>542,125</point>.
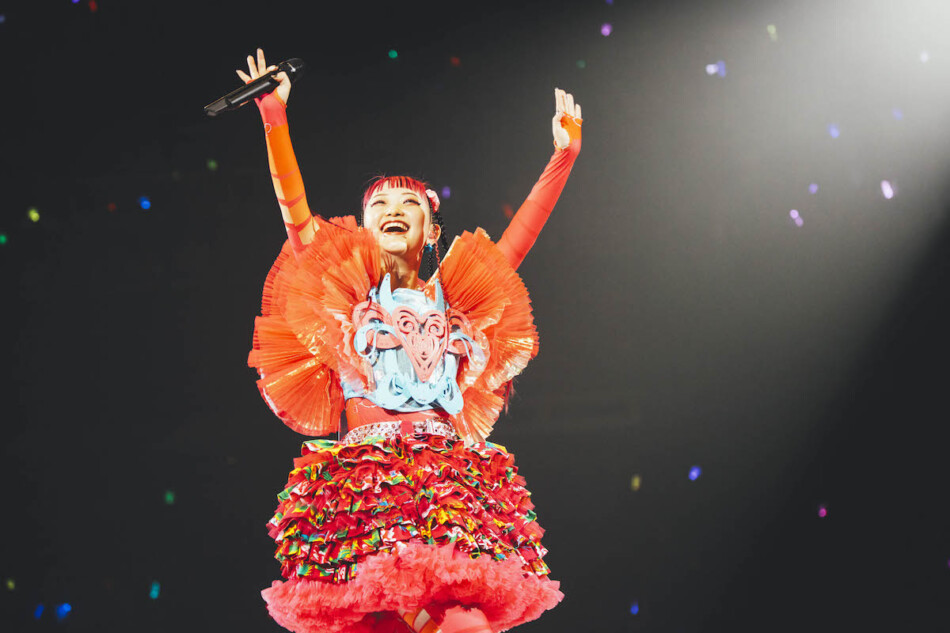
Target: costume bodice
<point>413,346</point>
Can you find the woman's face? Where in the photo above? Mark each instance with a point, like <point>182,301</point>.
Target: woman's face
<point>399,219</point>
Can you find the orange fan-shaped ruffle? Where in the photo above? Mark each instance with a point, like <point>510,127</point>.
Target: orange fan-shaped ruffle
<point>303,338</point>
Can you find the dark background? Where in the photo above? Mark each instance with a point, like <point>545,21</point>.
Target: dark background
<point>685,318</point>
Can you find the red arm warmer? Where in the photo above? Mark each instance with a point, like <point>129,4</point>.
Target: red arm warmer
<point>521,234</point>
<point>288,184</point>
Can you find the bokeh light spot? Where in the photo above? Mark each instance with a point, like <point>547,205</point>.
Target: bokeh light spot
<point>63,610</point>
<point>898,114</point>
<point>212,164</point>
<point>924,57</point>
<point>393,54</point>
<point>635,482</point>
<point>718,68</point>
<point>695,472</point>
<point>111,207</point>
<point>154,590</point>
<point>169,497</point>
<point>888,189</point>
<point>455,61</point>
<point>773,32</point>
<point>3,18</point>
<point>822,511</point>
<point>508,211</point>
<point>3,239</point>
<point>635,608</point>
<point>606,29</point>
<point>33,213</point>
<point>813,188</point>
<point>581,64</point>
<point>145,203</point>
<point>93,6</point>
<point>446,192</point>
<point>834,130</point>
<point>11,584</point>
<point>38,612</point>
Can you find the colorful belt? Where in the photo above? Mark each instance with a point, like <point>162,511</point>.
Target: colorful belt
<point>389,430</point>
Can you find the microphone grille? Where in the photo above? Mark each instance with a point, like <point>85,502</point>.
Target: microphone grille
<point>294,68</point>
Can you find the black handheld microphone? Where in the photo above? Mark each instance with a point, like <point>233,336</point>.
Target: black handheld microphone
<point>257,88</point>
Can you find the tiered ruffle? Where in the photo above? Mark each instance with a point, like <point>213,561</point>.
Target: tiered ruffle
<point>410,522</point>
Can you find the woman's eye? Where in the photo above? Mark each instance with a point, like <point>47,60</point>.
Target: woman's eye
<point>411,201</point>
<point>375,202</point>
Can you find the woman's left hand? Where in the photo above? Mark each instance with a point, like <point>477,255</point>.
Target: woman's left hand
<point>567,120</point>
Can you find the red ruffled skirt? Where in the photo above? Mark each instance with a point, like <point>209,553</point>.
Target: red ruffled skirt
<point>411,522</point>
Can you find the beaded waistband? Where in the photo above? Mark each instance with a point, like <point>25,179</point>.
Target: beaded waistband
<point>389,430</point>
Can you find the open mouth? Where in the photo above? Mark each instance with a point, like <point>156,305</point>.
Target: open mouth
<point>394,226</point>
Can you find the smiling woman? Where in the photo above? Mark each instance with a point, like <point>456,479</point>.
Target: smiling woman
<point>412,521</point>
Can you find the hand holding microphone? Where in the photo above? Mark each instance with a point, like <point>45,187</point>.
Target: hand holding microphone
<point>260,80</point>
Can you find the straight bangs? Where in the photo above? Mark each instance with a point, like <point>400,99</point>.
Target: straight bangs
<point>394,182</point>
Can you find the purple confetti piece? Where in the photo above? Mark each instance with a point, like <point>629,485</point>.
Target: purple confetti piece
<point>606,29</point>
<point>888,189</point>
<point>695,472</point>
<point>813,188</point>
<point>898,114</point>
<point>446,192</point>
<point>822,511</point>
<point>834,130</point>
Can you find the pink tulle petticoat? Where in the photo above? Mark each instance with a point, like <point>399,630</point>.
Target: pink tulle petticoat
<point>414,576</point>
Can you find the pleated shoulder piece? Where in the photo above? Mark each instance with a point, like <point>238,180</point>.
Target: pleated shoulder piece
<point>479,282</point>
<point>303,338</point>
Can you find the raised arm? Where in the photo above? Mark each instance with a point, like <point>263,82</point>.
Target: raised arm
<point>288,184</point>
<point>527,223</point>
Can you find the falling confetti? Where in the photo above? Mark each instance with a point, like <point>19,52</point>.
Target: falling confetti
<point>635,608</point>
<point>393,54</point>
<point>924,57</point>
<point>446,192</point>
<point>796,217</point>
<point>3,239</point>
<point>581,64</point>
<point>695,472</point>
<point>813,188</point>
<point>773,32</point>
<point>635,483</point>
<point>169,497</point>
<point>719,68</point>
<point>145,203</point>
<point>834,130</point>
<point>154,590</point>
<point>111,207</point>
<point>888,189</point>
<point>606,29</point>
<point>509,212</point>
<point>610,2</point>
<point>455,61</point>
<point>11,584</point>
<point>38,612</point>
<point>822,511</point>
<point>212,164</point>
<point>93,6</point>
<point>33,214</point>
<point>3,18</point>
<point>63,610</point>
<point>898,114</point>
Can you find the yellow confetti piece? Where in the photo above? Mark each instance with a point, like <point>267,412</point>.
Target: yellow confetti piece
<point>635,483</point>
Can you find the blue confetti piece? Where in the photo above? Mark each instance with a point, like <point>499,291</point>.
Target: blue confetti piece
<point>635,608</point>
<point>38,612</point>
<point>834,131</point>
<point>145,203</point>
<point>446,192</point>
<point>695,472</point>
<point>63,610</point>
<point>155,590</point>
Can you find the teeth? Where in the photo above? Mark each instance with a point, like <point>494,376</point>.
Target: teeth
<point>397,226</point>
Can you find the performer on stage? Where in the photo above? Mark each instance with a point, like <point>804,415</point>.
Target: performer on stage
<point>412,521</point>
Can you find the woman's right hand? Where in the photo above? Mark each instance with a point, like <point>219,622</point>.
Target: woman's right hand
<point>258,68</point>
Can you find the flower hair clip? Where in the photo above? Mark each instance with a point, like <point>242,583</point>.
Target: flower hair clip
<point>433,200</point>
